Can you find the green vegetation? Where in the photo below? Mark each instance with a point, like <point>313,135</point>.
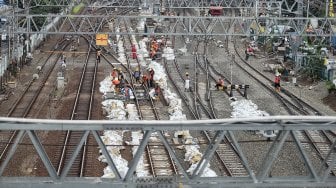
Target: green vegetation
<point>314,67</point>
<point>40,21</point>
<point>78,8</point>
<point>330,86</point>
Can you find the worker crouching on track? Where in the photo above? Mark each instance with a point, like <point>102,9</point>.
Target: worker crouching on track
<point>145,80</point>
<point>249,52</point>
<point>220,84</point>
<point>277,82</point>
<point>127,91</point>
<point>157,90</point>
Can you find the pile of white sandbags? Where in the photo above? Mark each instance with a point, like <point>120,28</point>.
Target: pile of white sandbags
<point>143,52</point>
<point>192,154</point>
<point>175,106</point>
<point>114,138</point>
<point>115,109</point>
<point>168,53</point>
<point>106,85</point>
<point>159,74</point>
<point>246,108</point>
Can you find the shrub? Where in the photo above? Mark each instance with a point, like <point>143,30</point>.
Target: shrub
<point>330,86</point>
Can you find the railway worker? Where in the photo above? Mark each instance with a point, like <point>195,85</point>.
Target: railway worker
<point>134,52</point>
<point>127,92</point>
<point>136,75</point>
<point>114,46</point>
<point>154,47</point>
<point>64,58</point>
<point>120,74</point>
<point>29,58</point>
<point>157,90</point>
<point>63,65</point>
<point>151,77</point>
<point>98,55</point>
<point>121,78</point>
<point>277,82</point>
<point>187,83</point>
<point>248,52</point>
<point>114,73</point>
<point>163,42</point>
<point>220,84</point>
<point>152,54</point>
<point>145,80</point>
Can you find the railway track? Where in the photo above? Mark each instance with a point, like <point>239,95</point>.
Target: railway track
<point>157,159</point>
<point>30,100</point>
<point>65,162</point>
<point>195,101</point>
<point>81,111</point>
<point>294,106</point>
<point>225,153</point>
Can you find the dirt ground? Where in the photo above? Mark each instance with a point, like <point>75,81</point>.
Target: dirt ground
<point>330,101</point>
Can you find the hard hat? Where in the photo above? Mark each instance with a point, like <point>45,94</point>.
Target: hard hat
<point>114,68</point>
<point>187,73</point>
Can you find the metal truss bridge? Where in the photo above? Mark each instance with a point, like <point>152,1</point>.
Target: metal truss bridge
<point>182,25</point>
<point>258,176</point>
<point>23,22</point>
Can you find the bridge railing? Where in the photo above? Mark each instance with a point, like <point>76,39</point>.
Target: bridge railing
<point>260,174</point>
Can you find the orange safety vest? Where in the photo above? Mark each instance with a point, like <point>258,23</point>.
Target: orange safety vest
<point>115,82</point>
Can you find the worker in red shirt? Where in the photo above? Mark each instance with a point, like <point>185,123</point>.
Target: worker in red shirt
<point>249,52</point>
<point>277,82</point>
<point>134,53</point>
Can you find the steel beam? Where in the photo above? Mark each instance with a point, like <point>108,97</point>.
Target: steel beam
<point>286,4</point>
<point>175,25</point>
<point>286,125</point>
<point>296,123</point>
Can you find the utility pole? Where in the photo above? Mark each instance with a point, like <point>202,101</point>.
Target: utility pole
<point>326,8</point>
